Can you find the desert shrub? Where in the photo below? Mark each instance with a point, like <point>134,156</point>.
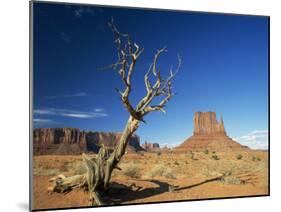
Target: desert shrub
<point>158,153</point>
<point>215,171</point>
<point>191,155</point>
<point>131,170</point>
<point>215,157</point>
<point>51,172</point>
<point>161,170</point>
<point>168,173</point>
<point>176,163</point>
<point>255,158</point>
<point>230,179</point>
<point>214,152</point>
<point>194,158</point>
<point>77,167</point>
<point>39,169</point>
<point>156,171</point>
<point>47,172</point>
<point>207,172</point>
<point>239,157</point>
<point>206,151</point>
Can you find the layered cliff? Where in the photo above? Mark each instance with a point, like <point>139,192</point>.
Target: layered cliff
<point>75,141</point>
<point>209,134</point>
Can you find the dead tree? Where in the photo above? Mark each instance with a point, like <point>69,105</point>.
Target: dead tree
<point>99,169</point>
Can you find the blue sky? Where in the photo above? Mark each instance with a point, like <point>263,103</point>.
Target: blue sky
<point>224,69</point>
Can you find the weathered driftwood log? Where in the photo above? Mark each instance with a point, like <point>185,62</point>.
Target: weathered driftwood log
<point>99,169</point>
<point>62,183</point>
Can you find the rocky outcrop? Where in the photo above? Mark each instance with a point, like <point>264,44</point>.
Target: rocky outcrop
<point>205,123</point>
<point>151,147</point>
<point>209,134</point>
<point>74,141</point>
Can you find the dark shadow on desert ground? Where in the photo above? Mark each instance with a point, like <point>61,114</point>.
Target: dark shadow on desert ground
<point>127,194</point>
<point>198,184</point>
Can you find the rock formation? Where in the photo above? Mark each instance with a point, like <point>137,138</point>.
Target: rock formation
<point>205,123</point>
<point>151,147</point>
<point>209,134</point>
<point>73,141</point>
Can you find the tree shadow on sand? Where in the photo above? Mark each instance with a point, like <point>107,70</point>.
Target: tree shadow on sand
<point>127,194</point>
<point>198,184</point>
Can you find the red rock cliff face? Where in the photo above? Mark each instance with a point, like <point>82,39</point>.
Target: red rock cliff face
<point>209,134</point>
<point>58,141</point>
<point>205,123</point>
<point>73,141</point>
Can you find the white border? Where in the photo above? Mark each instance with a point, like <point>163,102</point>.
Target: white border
<point>14,116</point>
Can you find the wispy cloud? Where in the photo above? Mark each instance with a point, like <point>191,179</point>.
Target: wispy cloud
<point>99,110</point>
<point>79,94</point>
<point>42,121</point>
<point>39,122</point>
<point>70,113</point>
<point>65,37</point>
<point>257,139</point>
<point>79,12</point>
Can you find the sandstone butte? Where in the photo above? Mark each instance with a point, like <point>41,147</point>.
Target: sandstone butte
<point>209,134</point>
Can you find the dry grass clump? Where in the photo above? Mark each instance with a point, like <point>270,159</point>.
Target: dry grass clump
<point>255,158</point>
<point>215,157</point>
<point>161,170</point>
<point>131,170</point>
<point>231,180</point>
<point>239,157</point>
<point>46,172</point>
<point>38,169</point>
<point>76,167</point>
<point>227,176</point>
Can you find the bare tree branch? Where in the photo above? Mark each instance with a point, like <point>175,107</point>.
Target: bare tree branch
<point>99,169</point>
<point>128,54</point>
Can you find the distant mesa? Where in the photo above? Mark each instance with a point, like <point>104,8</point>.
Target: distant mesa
<point>151,147</point>
<point>209,134</point>
<point>64,141</point>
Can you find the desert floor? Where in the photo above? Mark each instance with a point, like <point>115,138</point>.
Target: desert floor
<point>152,177</point>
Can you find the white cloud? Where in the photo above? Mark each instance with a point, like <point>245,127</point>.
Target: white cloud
<point>69,113</point>
<point>79,94</point>
<point>257,139</point>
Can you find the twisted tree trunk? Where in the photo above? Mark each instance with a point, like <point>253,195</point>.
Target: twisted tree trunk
<point>115,157</point>
<point>99,171</point>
